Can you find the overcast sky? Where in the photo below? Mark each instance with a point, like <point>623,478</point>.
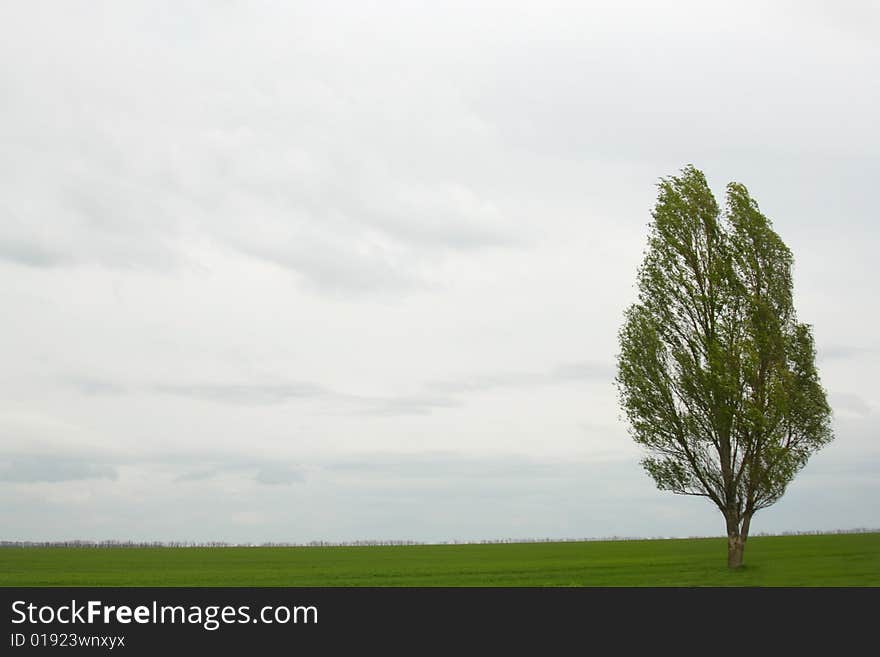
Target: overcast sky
<point>289,271</point>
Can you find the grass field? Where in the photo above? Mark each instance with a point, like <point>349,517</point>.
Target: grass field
<point>823,560</point>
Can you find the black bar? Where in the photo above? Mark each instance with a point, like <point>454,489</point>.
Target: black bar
<point>424,620</point>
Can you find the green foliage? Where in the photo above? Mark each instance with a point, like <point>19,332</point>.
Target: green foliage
<point>715,374</point>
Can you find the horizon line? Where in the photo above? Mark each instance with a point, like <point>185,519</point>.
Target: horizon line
<point>115,543</point>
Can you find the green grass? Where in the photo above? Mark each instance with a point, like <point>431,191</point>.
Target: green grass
<point>823,560</point>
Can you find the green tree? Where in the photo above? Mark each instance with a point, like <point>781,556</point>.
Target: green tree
<point>715,374</point>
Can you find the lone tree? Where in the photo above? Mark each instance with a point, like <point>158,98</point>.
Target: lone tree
<point>715,374</point>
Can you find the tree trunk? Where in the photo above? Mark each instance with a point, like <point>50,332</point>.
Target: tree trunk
<point>735,547</point>
<point>736,540</point>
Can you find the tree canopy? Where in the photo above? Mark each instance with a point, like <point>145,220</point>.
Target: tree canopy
<point>716,375</point>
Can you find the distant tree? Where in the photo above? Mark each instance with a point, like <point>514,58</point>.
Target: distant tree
<point>715,374</point>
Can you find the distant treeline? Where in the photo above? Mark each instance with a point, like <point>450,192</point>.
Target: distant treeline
<point>369,543</point>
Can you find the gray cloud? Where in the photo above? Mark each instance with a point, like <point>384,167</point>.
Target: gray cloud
<point>405,405</point>
<point>200,474</point>
<point>52,469</point>
<point>467,496</point>
<point>262,394</point>
<point>274,475</point>
<point>288,170</point>
<point>438,464</point>
<point>258,394</point>
<point>583,371</point>
<point>330,269</point>
<point>262,472</point>
<point>841,352</point>
<point>439,215</point>
<point>183,466</point>
<point>450,392</point>
<point>850,403</point>
<point>565,373</point>
<point>396,232</point>
<point>31,254</point>
<point>96,387</point>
